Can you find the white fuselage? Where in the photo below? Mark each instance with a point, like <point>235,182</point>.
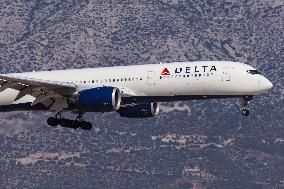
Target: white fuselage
<point>206,78</point>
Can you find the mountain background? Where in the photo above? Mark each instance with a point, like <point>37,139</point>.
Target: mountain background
<point>195,144</point>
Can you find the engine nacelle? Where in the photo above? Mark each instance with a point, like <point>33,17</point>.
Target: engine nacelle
<point>140,110</point>
<point>101,99</point>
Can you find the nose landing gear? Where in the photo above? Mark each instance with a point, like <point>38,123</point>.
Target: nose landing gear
<point>74,124</point>
<point>245,110</point>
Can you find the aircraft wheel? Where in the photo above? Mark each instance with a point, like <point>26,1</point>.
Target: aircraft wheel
<point>245,112</point>
<point>86,125</point>
<point>74,124</point>
<point>65,123</point>
<point>52,121</point>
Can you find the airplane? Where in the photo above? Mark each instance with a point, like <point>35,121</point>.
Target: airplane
<point>132,91</point>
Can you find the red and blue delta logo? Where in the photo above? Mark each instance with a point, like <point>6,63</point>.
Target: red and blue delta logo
<point>165,72</point>
<point>197,70</point>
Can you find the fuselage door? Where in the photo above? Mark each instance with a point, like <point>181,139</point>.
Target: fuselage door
<point>226,74</point>
<point>151,78</point>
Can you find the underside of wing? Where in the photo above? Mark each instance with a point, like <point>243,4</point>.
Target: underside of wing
<point>44,91</point>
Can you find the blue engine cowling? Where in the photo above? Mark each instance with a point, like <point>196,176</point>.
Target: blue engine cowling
<point>140,110</point>
<point>101,99</point>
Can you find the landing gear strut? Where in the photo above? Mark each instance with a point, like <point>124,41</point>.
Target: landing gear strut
<point>74,124</point>
<point>245,110</point>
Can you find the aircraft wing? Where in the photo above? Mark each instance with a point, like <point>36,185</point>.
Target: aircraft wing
<point>42,90</point>
<point>52,94</point>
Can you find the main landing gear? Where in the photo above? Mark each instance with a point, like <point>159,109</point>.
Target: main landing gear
<point>74,124</point>
<point>245,110</point>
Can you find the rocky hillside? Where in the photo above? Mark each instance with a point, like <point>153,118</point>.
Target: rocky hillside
<point>196,144</point>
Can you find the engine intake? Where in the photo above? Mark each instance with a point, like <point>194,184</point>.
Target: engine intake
<point>140,110</point>
<point>101,99</point>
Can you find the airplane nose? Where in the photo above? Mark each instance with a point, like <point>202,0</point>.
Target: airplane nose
<point>267,84</point>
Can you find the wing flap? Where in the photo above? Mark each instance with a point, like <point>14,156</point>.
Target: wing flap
<point>23,92</point>
<point>7,84</point>
<point>48,93</point>
<point>18,82</point>
<point>44,97</point>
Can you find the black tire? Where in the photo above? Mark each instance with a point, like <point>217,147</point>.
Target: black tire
<point>64,122</point>
<point>74,124</point>
<point>86,125</point>
<point>245,112</point>
<point>53,122</point>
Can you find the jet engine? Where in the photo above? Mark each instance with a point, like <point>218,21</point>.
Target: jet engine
<point>101,99</point>
<point>140,110</point>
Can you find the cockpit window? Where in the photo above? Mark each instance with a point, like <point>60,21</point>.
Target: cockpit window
<point>253,72</point>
